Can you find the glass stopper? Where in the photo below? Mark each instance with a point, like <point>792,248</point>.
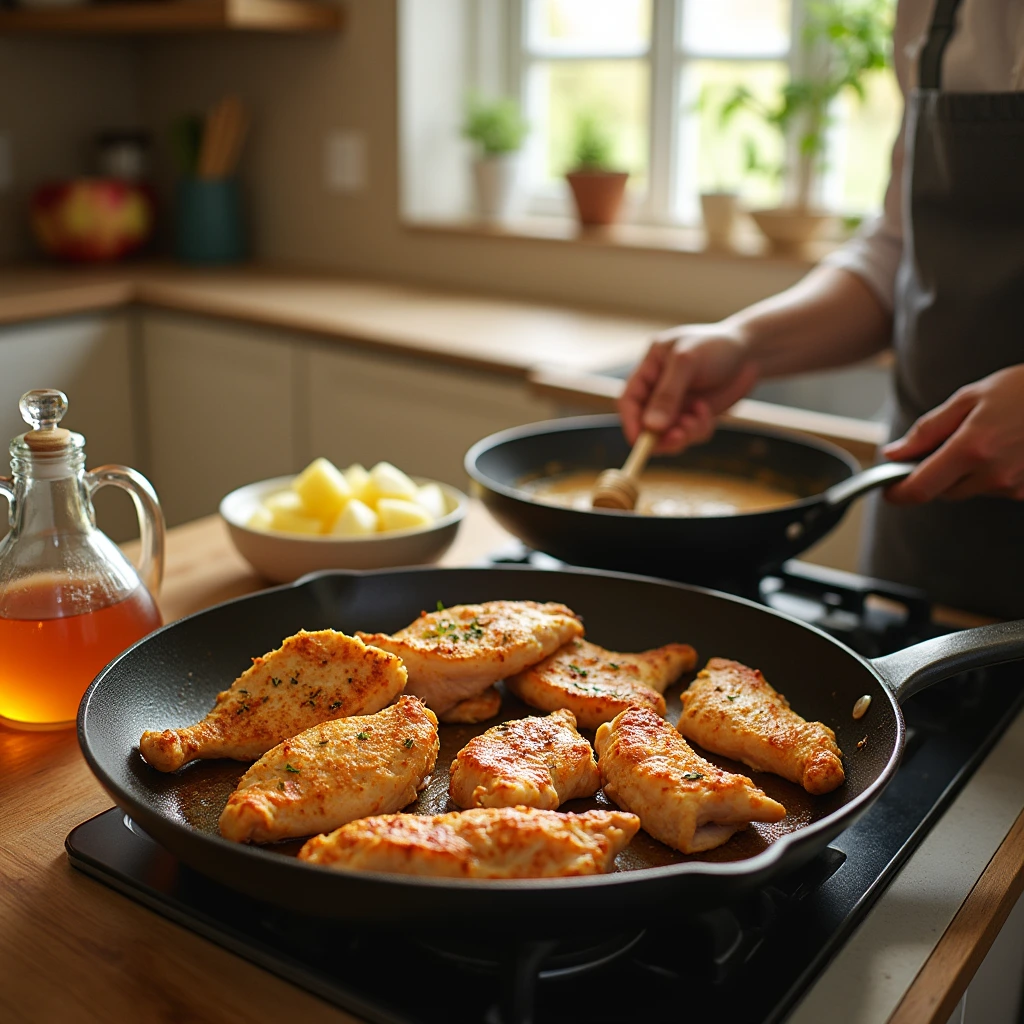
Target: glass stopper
<point>43,408</point>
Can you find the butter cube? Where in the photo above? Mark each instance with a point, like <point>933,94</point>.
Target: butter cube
<point>399,514</point>
<point>357,519</point>
<point>431,497</point>
<point>390,482</point>
<point>323,490</point>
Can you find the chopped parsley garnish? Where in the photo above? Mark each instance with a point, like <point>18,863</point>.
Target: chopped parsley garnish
<point>280,785</point>
<point>474,631</point>
<point>275,682</point>
<point>335,705</point>
<point>408,744</point>
<point>692,775</point>
<point>440,605</point>
<point>577,671</point>
<point>613,664</point>
<point>242,707</point>
<point>265,698</point>
<point>246,692</point>
<point>323,743</point>
<point>362,735</point>
<point>294,680</point>
<point>731,696</point>
<point>289,768</point>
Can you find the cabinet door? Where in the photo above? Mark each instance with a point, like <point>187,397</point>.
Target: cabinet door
<point>87,358</point>
<point>421,416</point>
<point>220,409</point>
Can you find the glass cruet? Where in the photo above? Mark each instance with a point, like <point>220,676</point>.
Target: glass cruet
<point>70,601</point>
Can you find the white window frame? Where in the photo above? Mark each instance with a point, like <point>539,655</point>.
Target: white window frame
<point>667,61</point>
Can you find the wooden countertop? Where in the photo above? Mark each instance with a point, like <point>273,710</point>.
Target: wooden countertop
<point>491,333</point>
<point>73,950</point>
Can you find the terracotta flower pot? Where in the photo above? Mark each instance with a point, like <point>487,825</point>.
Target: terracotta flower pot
<point>790,228</point>
<point>598,194</point>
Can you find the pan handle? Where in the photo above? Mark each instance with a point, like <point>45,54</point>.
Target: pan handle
<point>860,483</point>
<point>914,668</point>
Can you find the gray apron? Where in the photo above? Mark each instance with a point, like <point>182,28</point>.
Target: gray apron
<point>959,317</point>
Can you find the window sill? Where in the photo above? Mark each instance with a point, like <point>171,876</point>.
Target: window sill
<point>749,245</point>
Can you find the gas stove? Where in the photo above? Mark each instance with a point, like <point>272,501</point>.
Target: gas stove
<point>748,963</point>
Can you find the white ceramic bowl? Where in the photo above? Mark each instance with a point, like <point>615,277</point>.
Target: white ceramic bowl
<point>283,557</point>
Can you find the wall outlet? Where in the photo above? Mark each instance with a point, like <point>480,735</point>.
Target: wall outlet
<point>345,165</point>
<point>6,164</point>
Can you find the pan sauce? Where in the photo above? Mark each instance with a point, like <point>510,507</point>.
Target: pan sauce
<point>672,492</point>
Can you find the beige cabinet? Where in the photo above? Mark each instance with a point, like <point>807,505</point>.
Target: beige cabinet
<point>220,409</point>
<point>418,414</point>
<point>89,358</point>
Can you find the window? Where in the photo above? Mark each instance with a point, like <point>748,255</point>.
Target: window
<point>656,73</point>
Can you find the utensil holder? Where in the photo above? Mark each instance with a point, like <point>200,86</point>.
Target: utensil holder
<point>210,230</point>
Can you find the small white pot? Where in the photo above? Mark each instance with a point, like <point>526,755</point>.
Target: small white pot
<point>719,210</point>
<point>496,179</point>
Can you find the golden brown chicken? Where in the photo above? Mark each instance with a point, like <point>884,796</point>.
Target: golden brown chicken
<point>311,678</point>
<point>334,773</point>
<point>475,709</point>
<point>531,762</point>
<point>732,710</point>
<point>486,842</point>
<point>683,800</point>
<point>595,684</point>
<point>456,653</point>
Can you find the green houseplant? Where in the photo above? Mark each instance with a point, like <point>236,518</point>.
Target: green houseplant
<point>844,40</point>
<point>597,186</point>
<point>497,129</point>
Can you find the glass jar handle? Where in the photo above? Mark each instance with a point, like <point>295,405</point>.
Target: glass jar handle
<point>151,517</point>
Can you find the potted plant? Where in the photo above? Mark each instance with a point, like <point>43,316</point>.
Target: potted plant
<point>719,205</point>
<point>596,186</point>
<point>497,128</point>
<point>846,39</point>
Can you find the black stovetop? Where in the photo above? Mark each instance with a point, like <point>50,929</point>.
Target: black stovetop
<point>747,963</point>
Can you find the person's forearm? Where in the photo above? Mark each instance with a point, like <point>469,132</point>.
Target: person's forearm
<point>830,318</point>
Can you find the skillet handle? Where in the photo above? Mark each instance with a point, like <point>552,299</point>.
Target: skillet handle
<point>884,473</point>
<point>914,668</point>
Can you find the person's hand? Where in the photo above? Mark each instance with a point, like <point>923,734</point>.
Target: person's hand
<point>689,375</point>
<point>976,441</point>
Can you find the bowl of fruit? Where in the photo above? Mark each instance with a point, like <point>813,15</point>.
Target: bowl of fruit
<point>328,518</point>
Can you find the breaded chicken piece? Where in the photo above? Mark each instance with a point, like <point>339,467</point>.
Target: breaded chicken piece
<point>595,684</point>
<point>475,709</point>
<point>486,842</point>
<point>457,652</point>
<point>310,678</point>
<point>682,800</point>
<point>732,710</point>
<point>532,762</point>
<point>334,773</point>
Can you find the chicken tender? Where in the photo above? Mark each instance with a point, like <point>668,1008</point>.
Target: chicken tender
<point>596,684</point>
<point>334,773</point>
<point>682,800</point>
<point>732,710</point>
<point>486,842</point>
<point>311,678</point>
<point>456,653</point>
<point>532,762</point>
<point>475,709</point>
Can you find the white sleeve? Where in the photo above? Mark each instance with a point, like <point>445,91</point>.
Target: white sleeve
<point>874,252</point>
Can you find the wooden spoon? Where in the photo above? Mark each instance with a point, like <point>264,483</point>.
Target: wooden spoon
<point>619,488</point>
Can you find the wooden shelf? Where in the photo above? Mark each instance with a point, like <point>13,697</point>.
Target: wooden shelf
<point>168,16</point>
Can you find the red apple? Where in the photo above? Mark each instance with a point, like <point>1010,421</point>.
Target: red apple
<point>92,219</point>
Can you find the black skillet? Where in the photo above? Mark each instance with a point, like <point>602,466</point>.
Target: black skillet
<point>697,550</point>
<point>171,679</point>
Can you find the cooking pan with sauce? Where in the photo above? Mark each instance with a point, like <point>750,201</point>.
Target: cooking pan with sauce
<point>808,484</point>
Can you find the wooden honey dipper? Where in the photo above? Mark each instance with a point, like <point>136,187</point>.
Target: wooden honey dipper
<point>619,488</point>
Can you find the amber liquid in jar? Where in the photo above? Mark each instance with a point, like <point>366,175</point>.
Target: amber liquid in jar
<point>48,660</point>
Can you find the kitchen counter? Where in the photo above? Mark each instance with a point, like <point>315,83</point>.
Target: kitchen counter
<point>497,334</point>
<point>73,950</point>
